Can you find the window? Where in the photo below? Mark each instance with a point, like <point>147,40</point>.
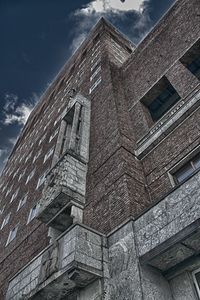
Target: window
<point>29,156</point>
<point>194,66</point>
<point>95,73</point>
<point>53,135</point>
<point>42,139</point>
<point>95,64</point>
<point>22,201</point>
<point>187,169</point>
<point>2,210</point>
<point>22,174</point>
<point>191,59</point>
<point>49,153</point>
<point>72,122</point>
<point>9,190</point>
<point>32,214</point>
<point>70,136</point>
<point>14,195</point>
<point>30,176</point>
<point>97,82</point>
<point>5,221</point>
<point>42,178</point>
<point>160,99</point>
<point>196,278</point>
<point>12,235</point>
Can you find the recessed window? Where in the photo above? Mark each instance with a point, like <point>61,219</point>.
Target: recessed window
<point>22,201</point>
<point>5,221</point>
<point>191,59</point>
<point>187,169</point>
<point>30,176</point>
<point>2,210</point>
<point>14,195</point>
<point>42,139</point>
<point>49,153</point>
<point>12,235</point>
<point>196,277</point>
<point>42,178</point>
<point>95,73</point>
<point>93,87</point>
<point>22,174</point>
<point>32,214</point>
<point>95,64</point>
<point>9,190</point>
<point>53,135</point>
<point>29,156</point>
<point>160,99</point>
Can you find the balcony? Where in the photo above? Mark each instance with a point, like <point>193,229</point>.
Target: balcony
<point>64,194</point>
<point>72,262</point>
<point>169,233</point>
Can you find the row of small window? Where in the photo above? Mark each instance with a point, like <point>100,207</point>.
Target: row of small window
<point>41,180</point>
<point>95,67</point>
<point>20,157</point>
<point>46,157</point>
<point>13,232</point>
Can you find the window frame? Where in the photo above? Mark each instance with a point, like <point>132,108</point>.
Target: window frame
<point>188,158</point>
<point>197,286</point>
<point>30,216</point>
<point>5,220</point>
<point>9,240</point>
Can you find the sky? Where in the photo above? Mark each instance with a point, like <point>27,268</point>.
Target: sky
<point>38,36</point>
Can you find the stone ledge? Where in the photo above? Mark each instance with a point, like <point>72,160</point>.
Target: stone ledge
<point>50,275</point>
<point>171,227</point>
<point>64,189</point>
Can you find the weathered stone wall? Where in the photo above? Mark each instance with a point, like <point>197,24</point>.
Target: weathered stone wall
<point>169,217</point>
<point>127,278</point>
<point>72,262</point>
<point>183,287</point>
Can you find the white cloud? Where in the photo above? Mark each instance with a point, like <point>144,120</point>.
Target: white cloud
<point>117,6</point>
<point>88,15</point>
<point>12,140</point>
<point>20,115</point>
<point>17,113</point>
<point>11,100</point>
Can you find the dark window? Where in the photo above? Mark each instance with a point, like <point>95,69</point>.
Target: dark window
<point>194,66</point>
<point>191,59</point>
<point>188,169</point>
<point>163,102</point>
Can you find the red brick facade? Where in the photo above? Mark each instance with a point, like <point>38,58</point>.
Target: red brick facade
<point>120,182</point>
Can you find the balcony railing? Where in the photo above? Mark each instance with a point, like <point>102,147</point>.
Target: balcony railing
<point>64,194</point>
<point>72,262</point>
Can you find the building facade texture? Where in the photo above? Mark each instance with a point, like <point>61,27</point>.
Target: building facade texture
<point>100,197</point>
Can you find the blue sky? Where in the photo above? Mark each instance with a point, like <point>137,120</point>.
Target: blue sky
<point>38,36</point>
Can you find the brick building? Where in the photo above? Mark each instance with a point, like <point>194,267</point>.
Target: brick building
<point>100,195</point>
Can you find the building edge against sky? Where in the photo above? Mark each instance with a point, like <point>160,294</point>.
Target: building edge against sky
<point>100,196</point>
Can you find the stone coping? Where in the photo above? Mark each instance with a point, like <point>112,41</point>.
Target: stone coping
<point>59,238</point>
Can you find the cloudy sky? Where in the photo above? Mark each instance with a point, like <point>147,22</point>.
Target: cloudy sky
<point>38,36</point>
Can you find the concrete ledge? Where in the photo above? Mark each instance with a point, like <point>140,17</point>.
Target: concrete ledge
<point>73,261</point>
<point>168,233</point>
<point>65,187</point>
